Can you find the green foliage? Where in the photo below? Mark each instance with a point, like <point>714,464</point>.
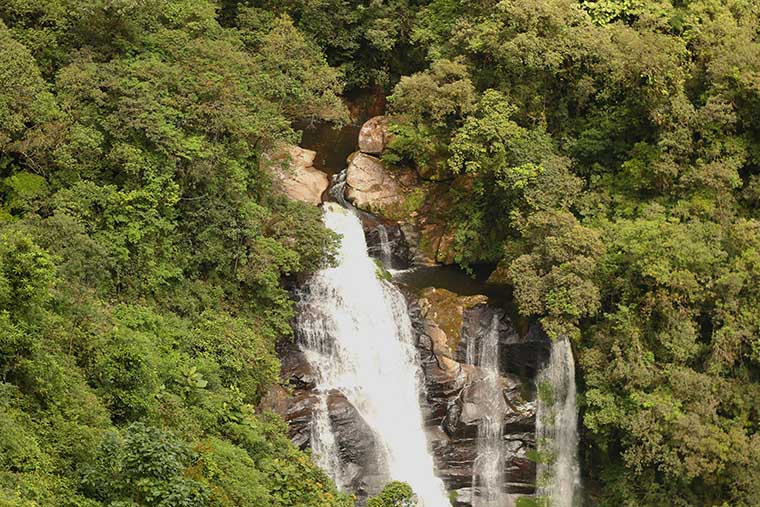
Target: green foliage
<point>556,277</point>
<point>607,11</point>
<point>394,494</point>
<point>429,104</point>
<point>482,141</point>
<point>298,74</point>
<point>525,501</point>
<point>24,97</point>
<point>381,273</point>
<point>603,154</point>
<point>606,160</point>
<point>439,96</point>
<point>414,200</point>
<point>144,466</point>
<point>27,273</point>
<point>143,253</point>
<point>369,42</point>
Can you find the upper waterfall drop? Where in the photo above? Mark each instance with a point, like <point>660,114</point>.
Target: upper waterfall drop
<point>557,429</point>
<point>356,332</point>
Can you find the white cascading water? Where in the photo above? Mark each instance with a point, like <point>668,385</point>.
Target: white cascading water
<point>386,256</point>
<point>323,442</point>
<point>357,334</point>
<point>559,477</point>
<point>488,468</point>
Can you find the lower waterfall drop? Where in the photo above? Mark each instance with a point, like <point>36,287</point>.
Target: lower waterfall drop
<point>488,468</point>
<point>323,443</point>
<point>559,479</point>
<point>355,331</point>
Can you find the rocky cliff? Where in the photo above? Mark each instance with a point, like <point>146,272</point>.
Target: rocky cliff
<point>454,396</point>
<point>445,326</point>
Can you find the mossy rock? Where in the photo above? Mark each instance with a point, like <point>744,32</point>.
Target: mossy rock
<point>381,273</point>
<point>447,311</point>
<point>529,501</point>
<point>414,195</point>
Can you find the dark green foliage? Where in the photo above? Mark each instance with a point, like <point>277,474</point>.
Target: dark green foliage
<point>143,466</point>
<point>394,494</point>
<point>606,158</point>
<point>143,253</point>
<point>604,154</point>
<point>368,41</point>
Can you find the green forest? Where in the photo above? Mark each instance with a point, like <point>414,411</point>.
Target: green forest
<point>604,155</point>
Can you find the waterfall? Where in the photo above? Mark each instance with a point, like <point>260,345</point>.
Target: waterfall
<point>355,331</point>
<point>385,254</point>
<point>338,188</point>
<point>558,474</point>
<point>323,443</point>
<point>488,468</point>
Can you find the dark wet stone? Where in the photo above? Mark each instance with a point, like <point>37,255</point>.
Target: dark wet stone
<point>365,472</point>
<point>520,355</point>
<point>400,255</point>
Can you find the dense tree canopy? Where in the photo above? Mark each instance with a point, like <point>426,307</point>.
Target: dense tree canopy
<point>142,253</point>
<point>604,155</point>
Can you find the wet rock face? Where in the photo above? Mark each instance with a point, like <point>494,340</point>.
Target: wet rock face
<point>444,325</point>
<point>363,472</point>
<point>520,355</point>
<point>454,389</point>
<point>399,254</point>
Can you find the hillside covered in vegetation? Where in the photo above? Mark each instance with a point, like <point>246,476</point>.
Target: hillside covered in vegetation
<point>603,155</point>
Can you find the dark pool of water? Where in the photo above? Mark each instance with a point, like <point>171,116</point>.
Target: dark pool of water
<point>333,145</point>
<point>455,280</point>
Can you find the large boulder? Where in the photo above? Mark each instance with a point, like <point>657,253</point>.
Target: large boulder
<point>295,174</point>
<point>363,469</point>
<point>369,186</point>
<point>373,136</point>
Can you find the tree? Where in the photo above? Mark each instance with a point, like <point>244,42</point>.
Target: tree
<point>394,494</point>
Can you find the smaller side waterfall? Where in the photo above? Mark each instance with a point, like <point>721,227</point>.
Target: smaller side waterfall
<point>559,479</point>
<point>384,248</point>
<point>488,468</point>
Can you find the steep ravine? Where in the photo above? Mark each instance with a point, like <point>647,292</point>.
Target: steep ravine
<point>479,416</point>
<point>445,325</point>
